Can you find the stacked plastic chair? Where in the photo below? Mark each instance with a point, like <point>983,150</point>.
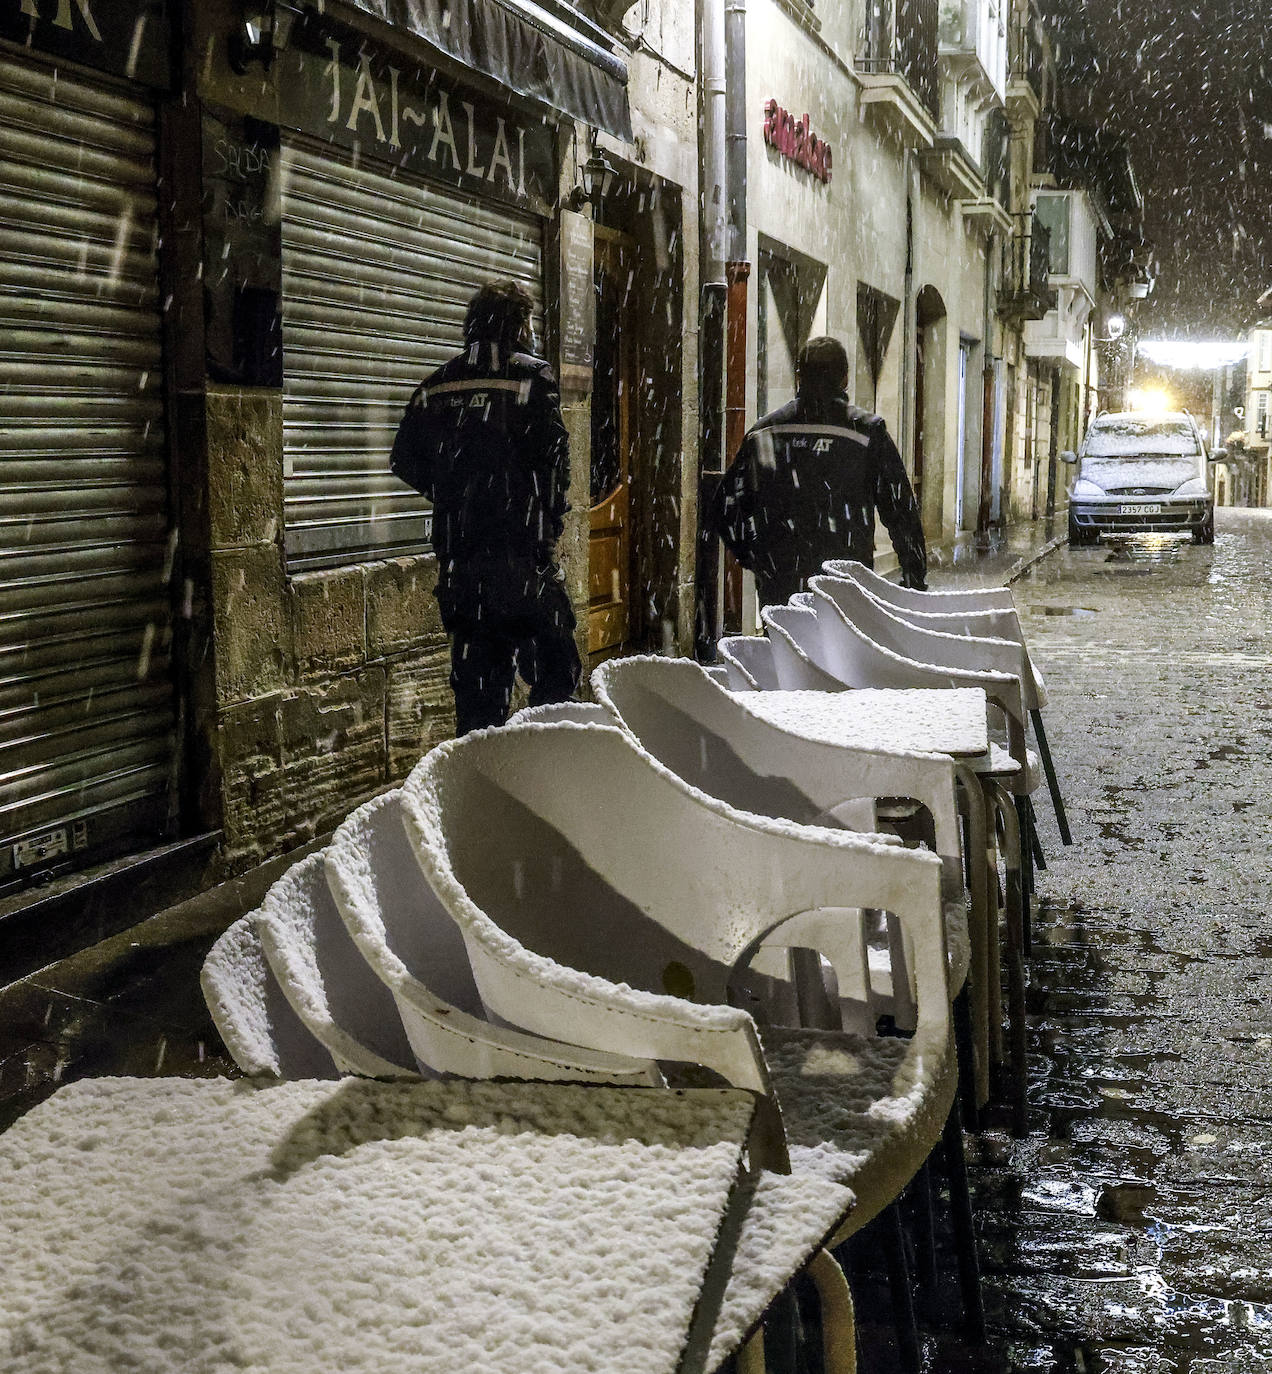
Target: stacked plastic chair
<point>838,636</point>
<point>675,896</point>
<point>484,922</point>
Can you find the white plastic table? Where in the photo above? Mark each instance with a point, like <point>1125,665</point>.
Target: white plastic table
<point>173,1224</point>
<point>933,720</point>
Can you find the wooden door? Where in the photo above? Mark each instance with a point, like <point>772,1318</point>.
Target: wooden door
<point>613,438</point>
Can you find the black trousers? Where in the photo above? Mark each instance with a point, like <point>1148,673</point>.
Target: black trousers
<point>775,589</point>
<point>488,650</point>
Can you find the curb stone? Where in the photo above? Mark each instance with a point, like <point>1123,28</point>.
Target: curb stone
<point>1023,565</point>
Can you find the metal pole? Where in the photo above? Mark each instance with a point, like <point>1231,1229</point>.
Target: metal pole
<point>713,228</point>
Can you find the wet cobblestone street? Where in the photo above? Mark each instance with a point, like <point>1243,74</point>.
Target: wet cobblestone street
<point>1131,1233</point>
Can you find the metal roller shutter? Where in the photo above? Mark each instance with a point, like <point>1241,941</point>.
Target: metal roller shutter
<point>87,718</point>
<point>377,273</point>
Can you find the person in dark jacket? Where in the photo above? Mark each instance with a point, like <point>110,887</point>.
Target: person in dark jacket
<point>484,440</point>
<point>807,482</point>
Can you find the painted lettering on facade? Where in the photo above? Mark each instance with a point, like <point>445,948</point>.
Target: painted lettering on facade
<point>794,139</point>
<point>128,38</point>
<point>412,118</point>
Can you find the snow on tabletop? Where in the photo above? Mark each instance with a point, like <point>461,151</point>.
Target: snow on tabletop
<point>921,719</point>
<point>788,1219</point>
<point>215,1225</point>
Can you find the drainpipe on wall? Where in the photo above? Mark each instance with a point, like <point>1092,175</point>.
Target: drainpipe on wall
<point>737,268</point>
<point>712,315</point>
<point>909,327</point>
<point>989,400</point>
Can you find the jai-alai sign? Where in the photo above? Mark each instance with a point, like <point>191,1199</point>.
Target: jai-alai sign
<point>392,108</point>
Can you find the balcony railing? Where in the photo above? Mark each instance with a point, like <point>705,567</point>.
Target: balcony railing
<point>900,38</point>
<point>1025,52</point>
<point>1026,293</point>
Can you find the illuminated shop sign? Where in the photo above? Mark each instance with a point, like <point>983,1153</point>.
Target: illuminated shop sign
<point>794,139</point>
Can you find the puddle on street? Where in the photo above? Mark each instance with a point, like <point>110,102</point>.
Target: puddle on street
<point>1153,549</point>
<point>1126,1202</point>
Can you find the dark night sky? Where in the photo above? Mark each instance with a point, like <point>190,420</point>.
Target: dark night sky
<point>1191,86</point>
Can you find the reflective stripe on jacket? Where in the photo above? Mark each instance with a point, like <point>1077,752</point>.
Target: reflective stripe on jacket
<point>805,487</point>
<point>484,440</point>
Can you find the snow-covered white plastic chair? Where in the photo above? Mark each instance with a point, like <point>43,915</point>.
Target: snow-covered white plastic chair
<point>982,622</point>
<point>864,645</point>
<point>580,712</point>
<point>795,636</point>
<point>820,655</point>
<point>748,662</point>
<point>594,913</point>
<point>861,644</point>
<point>263,1034</point>
<point>994,623</point>
<point>706,736</point>
<point>328,983</point>
<point>410,941</point>
<point>963,598</point>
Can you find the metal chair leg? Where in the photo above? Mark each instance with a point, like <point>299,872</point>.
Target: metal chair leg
<point>963,1049</point>
<point>964,1227</point>
<point>1026,867</point>
<point>1035,839</point>
<point>781,1334</point>
<point>972,806</point>
<point>994,953</point>
<point>907,1328</point>
<point>924,1230</point>
<point>1016,904</point>
<point>1053,784</point>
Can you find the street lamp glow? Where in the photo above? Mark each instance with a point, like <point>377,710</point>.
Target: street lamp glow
<point>1153,400</point>
<point>1203,354</point>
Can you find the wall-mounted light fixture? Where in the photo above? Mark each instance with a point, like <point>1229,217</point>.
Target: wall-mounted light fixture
<point>253,39</point>
<point>596,178</point>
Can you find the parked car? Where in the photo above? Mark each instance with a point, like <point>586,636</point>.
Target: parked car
<point>1137,473</point>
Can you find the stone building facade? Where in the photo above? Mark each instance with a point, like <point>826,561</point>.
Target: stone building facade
<point>314,191</point>
<point>222,633</point>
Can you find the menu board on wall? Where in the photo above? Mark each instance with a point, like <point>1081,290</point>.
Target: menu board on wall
<point>578,301</point>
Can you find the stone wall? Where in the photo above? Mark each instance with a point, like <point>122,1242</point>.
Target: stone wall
<point>316,690</point>
<point>329,685</point>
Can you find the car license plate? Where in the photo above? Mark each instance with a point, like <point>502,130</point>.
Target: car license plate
<point>1153,508</point>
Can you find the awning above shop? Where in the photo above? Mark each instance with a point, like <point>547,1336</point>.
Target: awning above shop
<point>528,47</point>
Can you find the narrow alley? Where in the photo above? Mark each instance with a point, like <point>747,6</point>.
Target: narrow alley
<point>1132,1232</point>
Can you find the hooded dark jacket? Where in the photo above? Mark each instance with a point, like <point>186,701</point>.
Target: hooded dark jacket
<point>805,487</point>
<point>484,440</point>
